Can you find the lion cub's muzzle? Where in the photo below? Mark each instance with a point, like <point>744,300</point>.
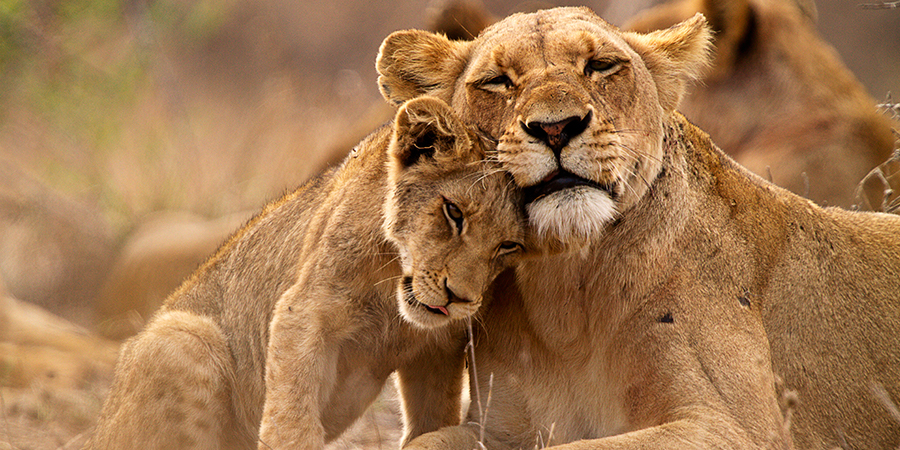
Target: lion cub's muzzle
<point>411,299</point>
<point>556,135</point>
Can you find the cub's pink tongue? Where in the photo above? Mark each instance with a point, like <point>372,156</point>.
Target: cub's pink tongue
<point>437,310</point>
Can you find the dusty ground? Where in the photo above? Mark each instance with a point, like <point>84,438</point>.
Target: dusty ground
<point>114,111</point>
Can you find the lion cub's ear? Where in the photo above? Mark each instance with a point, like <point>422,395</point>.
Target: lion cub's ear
<point>674,56</point>
<point>426,129</point>
<point>411,63</point>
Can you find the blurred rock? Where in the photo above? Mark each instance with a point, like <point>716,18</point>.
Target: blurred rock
<point>54,252</point>
<point>155,259</point>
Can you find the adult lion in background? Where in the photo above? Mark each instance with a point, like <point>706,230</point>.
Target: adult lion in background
<point>688,286</point>
<point>778,98</point>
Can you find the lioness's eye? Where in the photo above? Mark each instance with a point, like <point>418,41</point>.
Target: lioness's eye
<point>454,215</point>
<point>507,247</point>
<point>498,81</point>
<point>604,67</point>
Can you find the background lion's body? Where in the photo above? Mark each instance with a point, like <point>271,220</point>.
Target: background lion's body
<point>779,99</point>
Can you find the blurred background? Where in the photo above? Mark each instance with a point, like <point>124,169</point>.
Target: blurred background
<point>214,106</point>
<point>123,120</point>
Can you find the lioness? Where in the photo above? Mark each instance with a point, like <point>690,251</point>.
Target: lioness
<point>689,285</point>
<point>294,322</point>
<point>776,97</point>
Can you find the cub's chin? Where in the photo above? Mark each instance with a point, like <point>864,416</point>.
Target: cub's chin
<point>574,217</point>
<point>420,317</point>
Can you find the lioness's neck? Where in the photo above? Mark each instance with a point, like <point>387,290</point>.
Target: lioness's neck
<point>698,186</point>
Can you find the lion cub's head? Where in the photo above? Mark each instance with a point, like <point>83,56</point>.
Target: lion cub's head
<point>577,106</point>
<point>455,217</point>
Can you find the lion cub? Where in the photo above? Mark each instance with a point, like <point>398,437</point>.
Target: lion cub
<point>295,325</point>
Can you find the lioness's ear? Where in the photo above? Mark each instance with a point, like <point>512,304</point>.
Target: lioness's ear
<point>426,128</point>
<point>414,62</point>
<point>674,56</point>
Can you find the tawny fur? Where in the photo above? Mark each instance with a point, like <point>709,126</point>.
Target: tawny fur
<point>707,298</point>
<point>776,97</point>
<point>288,333</point>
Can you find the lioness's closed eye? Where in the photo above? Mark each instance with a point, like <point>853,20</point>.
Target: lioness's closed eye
<point>293,326</point>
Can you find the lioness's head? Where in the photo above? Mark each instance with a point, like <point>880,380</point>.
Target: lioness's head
<point>455,217</point>
<point>577,106</point>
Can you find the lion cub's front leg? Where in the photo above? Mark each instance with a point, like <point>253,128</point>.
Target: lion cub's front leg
<point>171,390</point>
<point>301,369</point>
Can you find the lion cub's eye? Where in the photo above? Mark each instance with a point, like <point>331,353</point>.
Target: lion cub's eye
<point>454,215</point>
<point>601,66</point>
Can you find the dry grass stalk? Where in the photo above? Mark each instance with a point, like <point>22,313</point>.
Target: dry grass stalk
<point>881,5</point>
<point>890,106</point>
<point>482,411</point>
<point>6,421</point>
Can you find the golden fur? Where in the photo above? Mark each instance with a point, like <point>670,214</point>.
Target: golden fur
<point>693,302</point>
<point>294,324</point>
<point>778,98</point>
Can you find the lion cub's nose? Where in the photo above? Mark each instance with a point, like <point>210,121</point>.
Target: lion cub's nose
<point>452,297</point>
<point>557,134</point>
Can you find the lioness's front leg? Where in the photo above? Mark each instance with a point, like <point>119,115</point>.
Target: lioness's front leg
<point>708,430</point>
<point>301,370</point>
<point>459,437</point>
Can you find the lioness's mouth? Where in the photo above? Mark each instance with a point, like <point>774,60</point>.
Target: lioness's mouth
<point>558,181</point>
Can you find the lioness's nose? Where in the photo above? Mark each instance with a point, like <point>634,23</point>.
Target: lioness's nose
<point>557,134</point>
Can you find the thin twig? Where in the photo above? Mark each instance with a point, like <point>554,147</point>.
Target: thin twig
<point>71,441</point>
<point>487,406</point>
<point>482,410</point>
<point>881,5</point>
<point>890,106</point>
<point>6,421</point>
<point>805,184</point>
<point>882,395</point>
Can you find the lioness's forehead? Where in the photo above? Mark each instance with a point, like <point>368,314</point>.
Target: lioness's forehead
<point>544,32</point>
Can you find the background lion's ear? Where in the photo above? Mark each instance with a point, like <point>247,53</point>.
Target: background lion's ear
<point>411,63</point>
<point>426,128</point>
<point>731,22</point>
<point>675,56</point>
